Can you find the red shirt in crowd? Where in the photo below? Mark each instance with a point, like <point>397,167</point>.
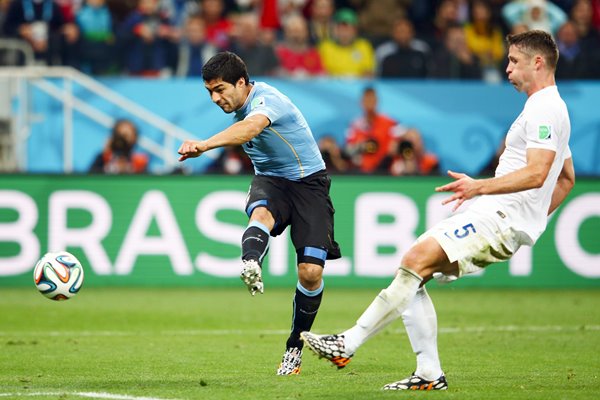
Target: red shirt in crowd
<point>298,63</point>
<point>381,131</point>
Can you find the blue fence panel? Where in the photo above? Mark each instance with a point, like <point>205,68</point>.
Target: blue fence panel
<point>462,122</point>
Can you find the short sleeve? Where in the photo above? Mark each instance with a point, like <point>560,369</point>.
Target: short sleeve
<point>269,106</point>
<point>542,130</point>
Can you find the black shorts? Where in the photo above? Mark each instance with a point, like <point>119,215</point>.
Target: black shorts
<point>304,205</point>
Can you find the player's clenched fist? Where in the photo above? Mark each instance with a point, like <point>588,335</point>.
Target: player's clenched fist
<point>190,149</point>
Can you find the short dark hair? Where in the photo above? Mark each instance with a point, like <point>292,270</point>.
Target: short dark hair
<point>123,121</point>
<point>369,89</point>
<point>227,66</point>
<point>536,41</point>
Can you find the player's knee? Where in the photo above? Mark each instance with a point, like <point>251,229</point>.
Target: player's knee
<point>310,275</point>
<point>264,216</point>
<point>414,261</point>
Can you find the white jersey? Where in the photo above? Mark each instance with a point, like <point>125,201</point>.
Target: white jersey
<point>543,124</point>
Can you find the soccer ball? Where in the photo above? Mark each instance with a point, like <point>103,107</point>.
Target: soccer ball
<point>58,276</point>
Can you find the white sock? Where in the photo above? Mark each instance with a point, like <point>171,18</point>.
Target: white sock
<point>387,307</point>
<point>420,321</point>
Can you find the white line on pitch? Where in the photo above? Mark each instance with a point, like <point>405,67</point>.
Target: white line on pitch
<point>215,332</point>
<point>92,395</point>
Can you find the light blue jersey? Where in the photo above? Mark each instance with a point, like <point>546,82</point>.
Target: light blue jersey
<point>286,148</point>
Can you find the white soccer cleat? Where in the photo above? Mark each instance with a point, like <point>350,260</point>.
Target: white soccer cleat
<point>330,347</point>
<point>252,276</point>
<point>291,362</point>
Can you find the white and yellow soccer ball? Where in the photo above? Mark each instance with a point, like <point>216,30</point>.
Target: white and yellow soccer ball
<point>58,276</point>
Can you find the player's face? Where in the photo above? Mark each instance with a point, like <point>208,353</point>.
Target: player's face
<point>520,69</point>
<point>227,96</point>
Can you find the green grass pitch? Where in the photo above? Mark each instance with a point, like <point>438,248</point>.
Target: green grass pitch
<point>169,343</point>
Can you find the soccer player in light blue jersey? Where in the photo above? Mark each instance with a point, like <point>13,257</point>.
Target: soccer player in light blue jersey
<point>290,186</point>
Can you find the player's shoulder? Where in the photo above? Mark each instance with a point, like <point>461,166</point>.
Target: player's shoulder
<point>545,100</point>
<point>262,89</point>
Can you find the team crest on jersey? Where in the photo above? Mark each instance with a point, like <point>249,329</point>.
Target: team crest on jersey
<point>545,131</point>
<point>257,102</point>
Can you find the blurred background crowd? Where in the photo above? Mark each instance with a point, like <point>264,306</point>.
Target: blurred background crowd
<point>445,39</point>
<point>298,39</point>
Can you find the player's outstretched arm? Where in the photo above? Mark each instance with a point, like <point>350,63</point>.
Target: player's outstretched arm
<point>564,184</point>
<point>237,134</point>
<point>533,175</point>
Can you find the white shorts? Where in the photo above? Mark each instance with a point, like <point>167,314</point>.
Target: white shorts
<point>474,240</point>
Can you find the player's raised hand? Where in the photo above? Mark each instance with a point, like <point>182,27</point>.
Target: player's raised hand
<point>464,188</point>
<point>189,149</point>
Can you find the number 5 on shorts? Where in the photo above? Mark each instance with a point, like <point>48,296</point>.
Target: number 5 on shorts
<point>465,231</point>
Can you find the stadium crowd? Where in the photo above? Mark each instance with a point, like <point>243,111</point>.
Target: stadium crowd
<point>443,39</point>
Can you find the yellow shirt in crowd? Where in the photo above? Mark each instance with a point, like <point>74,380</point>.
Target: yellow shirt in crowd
<point>356,60</point>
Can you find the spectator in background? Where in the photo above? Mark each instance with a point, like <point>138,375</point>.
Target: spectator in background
<point>455,60</point>
<point>536,14</point>
<point>146,36</point>
<point>320,23</point>
<point>376,18</point>
<point>118,156</point>
<point>120,9</point>
<point>233,160</point>
<point>463,9</point>
<point>574,62</point>
<point>194,50</point>
<point>518,28</point>
<point>583,14</point>
<point>260,58</point>
<point>370,137</point>
<point>218,26</point>
<point>336,161</point>
<point>69,8</point>
<point>178,11</point>
<point>403,56</point>
<point>3,9</point>
<point>409,156</point>
<point>348,55</point>
<point>270,14</point>
<point>297,57</point>
<point>7,56</point>
<point>596,14</point>
<point>42,25</point>
<point>446,15</point>
<point>273,13</point>
<point>486,40</point>
<point>97,38</point>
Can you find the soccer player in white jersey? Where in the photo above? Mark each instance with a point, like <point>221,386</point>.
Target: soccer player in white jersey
<point>290,187</point>
<point>534,175</point>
